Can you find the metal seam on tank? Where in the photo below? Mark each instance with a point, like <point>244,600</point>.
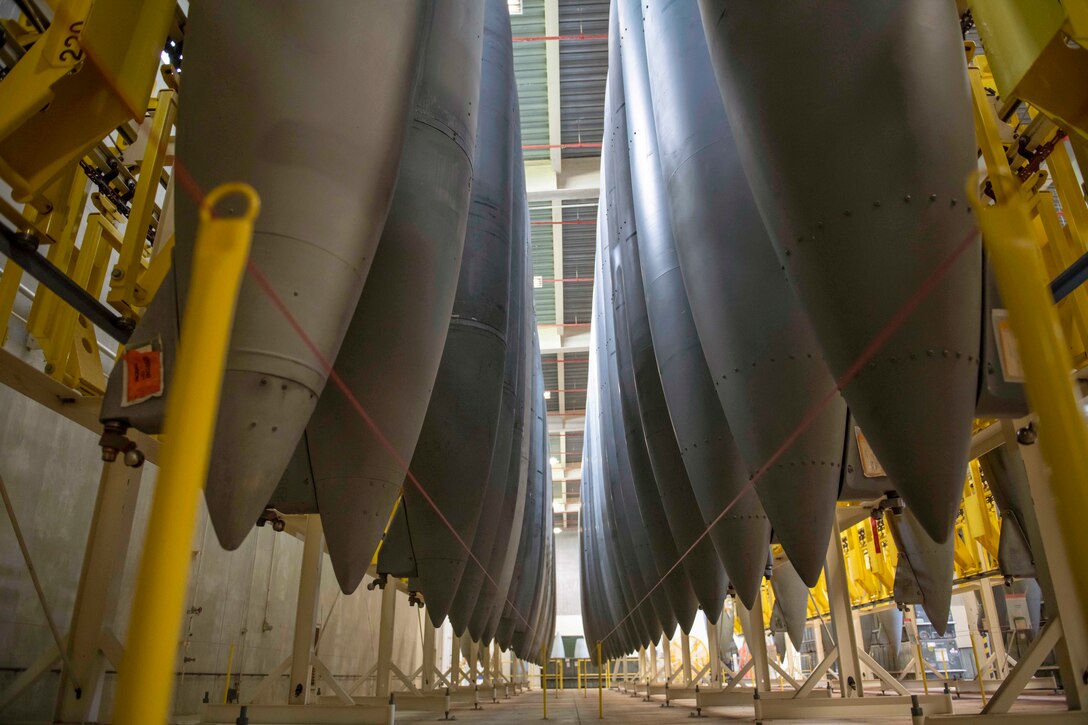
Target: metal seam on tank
<point>459,139</point>
<point>327,251</point>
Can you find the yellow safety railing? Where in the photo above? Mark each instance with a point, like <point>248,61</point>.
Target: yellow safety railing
<point>147,670</point>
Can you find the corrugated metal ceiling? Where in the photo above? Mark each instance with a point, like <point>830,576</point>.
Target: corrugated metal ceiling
<point>583,66</point>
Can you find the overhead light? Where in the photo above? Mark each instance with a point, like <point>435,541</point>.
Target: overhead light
<point>547,395</point>
<point>515,7</point>
<point>557,530</point>
<point>164,58</point>
<point>554,461</point>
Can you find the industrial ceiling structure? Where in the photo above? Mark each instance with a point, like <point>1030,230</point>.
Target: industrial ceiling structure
<point>561,59</point>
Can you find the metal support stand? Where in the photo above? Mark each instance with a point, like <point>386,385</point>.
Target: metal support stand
<point>303,661</point>
<point>473,661</point>
<point>455,660</point>
<point>685,655</point>
<point>842,627</point>
<point>714,648</point>
<point>993,630</point>
<point>428,666</point>
<point>385,639</point>
<point>1054,565</point>
<point>751,621</point>
<point>484,657</point>
<point>99,587</point>
<point>309,592</point>
<point>666,653</point>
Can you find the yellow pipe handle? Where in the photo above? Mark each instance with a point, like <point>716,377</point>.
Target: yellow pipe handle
<point>147,671</point>
<point>1063,436</point>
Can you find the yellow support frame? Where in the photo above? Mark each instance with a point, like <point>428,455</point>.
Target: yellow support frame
<point>90,72</point>
<point>127,289</point>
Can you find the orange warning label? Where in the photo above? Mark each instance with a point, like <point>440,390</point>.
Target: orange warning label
<point>143,375</point>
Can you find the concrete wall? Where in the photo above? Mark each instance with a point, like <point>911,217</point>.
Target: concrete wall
<point>246,598</point>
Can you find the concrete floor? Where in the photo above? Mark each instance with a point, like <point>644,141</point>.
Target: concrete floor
<point>576,708</point>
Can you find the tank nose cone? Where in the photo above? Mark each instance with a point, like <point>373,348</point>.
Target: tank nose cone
<point>261,420</point>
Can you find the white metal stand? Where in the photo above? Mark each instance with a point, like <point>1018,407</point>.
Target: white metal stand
<point>751,622</point>
<point>842,627</point>
<point>685,654</point>
<point>714,647</point>
<point>309,593</point>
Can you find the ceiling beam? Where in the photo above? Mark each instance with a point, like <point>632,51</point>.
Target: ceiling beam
<point>551,58</point>
<point>580,179</point>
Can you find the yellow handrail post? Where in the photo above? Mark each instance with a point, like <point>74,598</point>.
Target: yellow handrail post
<point>147,669</point>
<point>922,667</point>
<point>1021,277</point>
<point>600,689</point>
<point>544,677</point>
<point>230,664</point>
<point>978,667</point>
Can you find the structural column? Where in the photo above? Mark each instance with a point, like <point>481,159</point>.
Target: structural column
<point>842,624</point>
<point>473,660</point>
<point>685,654</point>
<point>713,646</point>
<point>309,591</point>
<point>385,638</point>
<point>428,656</point>
<point>666,648</point>
<point>99,586</point>
<point>484,658</point>
<point>455,660</point>
<point>751,620</point>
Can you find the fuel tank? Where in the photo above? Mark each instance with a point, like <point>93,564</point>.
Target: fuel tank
<point>497,109</point>
<point>674,490</point>
<point>925,569</point>
<point>605,576</point>
<point>487,606</point>
<point>492,600</point>
<point>760,348</point>
<point>390,355</point>
<point>609,567</point>
<point>529,592</point>
<point>265,92</point>
<point>1004,472</point>
<point>520,599</point>
<point>890,621</point>
<point>657,475</point>
<point>791,598</point>
<point>864,202</point>
<point>715,470</point>
<point>453,455</point>
<point>631,528</point>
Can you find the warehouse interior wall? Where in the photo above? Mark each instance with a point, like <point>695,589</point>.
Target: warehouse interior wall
<point>243,599</point>
<point>568,585</point>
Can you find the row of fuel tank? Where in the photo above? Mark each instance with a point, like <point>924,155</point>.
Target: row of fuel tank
<point>785,258</point>
<point>384,369</point>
